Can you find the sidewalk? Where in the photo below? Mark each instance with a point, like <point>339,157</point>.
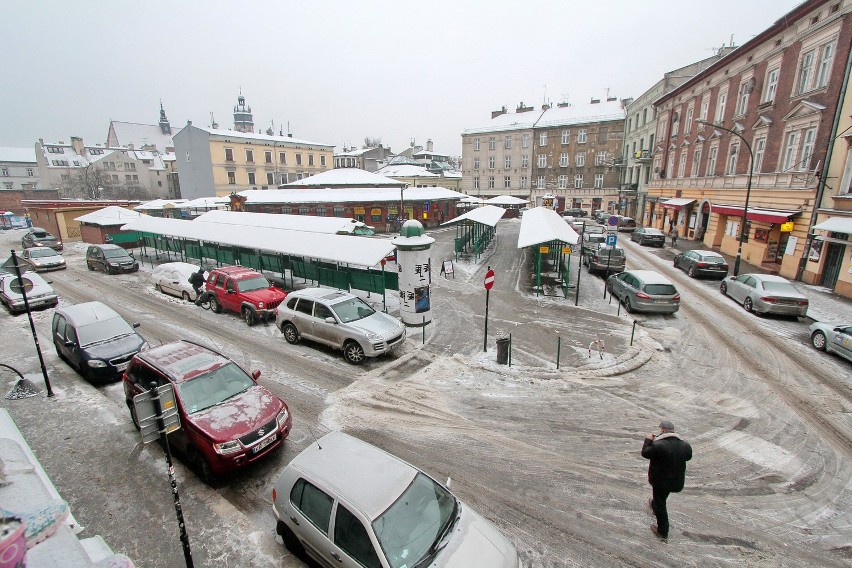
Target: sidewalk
<point>825,305</point>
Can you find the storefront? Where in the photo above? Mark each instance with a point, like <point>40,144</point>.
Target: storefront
<point>830,257</point>
<point>768,240</point>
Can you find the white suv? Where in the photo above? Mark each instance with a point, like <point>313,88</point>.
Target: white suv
<point>340,320</point>
<point>347,503</point>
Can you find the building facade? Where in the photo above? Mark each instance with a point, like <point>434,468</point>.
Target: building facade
<point>18,169</point>
<point>370,159</point>
<point>749,133</point>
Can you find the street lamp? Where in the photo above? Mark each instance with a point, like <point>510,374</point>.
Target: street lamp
<point>748,188</point>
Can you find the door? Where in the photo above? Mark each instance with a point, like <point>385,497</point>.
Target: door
<point>841,341</point>
<point>322,330</point>
<point>833,264</point>
<point>740,287</point>
<point>309,509</point>
<point>169,283</point>
<point>304,318</point>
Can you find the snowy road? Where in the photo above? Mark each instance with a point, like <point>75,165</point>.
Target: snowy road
<point>550,455</point>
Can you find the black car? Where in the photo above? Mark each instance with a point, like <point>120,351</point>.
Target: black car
<point>95,340</point>
<point>702,263</point>
<point>575,212</point>
<point>648,236</point>
<point>38,237</point>
<point>110,259</point>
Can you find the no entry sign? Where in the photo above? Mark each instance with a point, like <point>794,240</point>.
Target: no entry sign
<point>489,279</point>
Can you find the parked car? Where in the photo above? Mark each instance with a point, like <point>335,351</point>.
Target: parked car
<point>173,278</point>
<point>40,294</point>
<point>227,420</point>
<point>832,338</point>
<point>43,259</point>
<point>95,340</point>
<point>110,259</point>
<point>344,502</point>
<point>592,240</point>
<point>244,291</point>
<point>644,291</point>
<point>605,258</point>
<point>38,237</point>
<point>626,224</point>
<point>600,215</point>
<point>702,263</point>
<point>576,212</point>
<point>648,236</point>
<point>765,294</point>
<point>340,320</point>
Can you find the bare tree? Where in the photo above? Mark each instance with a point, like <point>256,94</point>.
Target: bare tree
<point>90,182</point>
<point>370,142</point>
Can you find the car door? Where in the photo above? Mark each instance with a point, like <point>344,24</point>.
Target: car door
<point>738,288</point>
<point>231,297</point>
<point>353,547</point>
<point>309,508</point>
<point>328,333</point>
<point>169,283</point>
<point>687,259</point>
<point>841,342</point>
<point>303,317</point>
<point>96,256</point>
<point>618,286</point>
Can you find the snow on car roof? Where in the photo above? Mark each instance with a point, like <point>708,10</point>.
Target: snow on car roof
<point>650,277</point>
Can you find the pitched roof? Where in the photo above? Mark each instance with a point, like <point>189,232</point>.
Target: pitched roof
<point>345,177</point>
<point>556,116</point>
<point>348,195</point>
<point>109,216</point>
<point>127,133</point>
<point>281,140</point>
<point>23,155</point>
<point>405,170</point>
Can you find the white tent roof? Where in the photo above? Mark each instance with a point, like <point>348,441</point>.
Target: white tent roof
<point>835,224</point>
<point>405,170</point>
<point>353,177</point>
<point>506,200</point>
<point>349,195</point>
<point>309,223</point>
<point>542,225</point>
<point>487,215</point>
<point>471,199</point>
<point>109,216</point>
<point>359,251</point>
<point>158,204</point>
<point>206,203</point>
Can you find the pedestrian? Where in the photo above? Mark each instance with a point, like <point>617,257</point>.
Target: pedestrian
<point>666,472</point>
<point>196,279</point>
<point>673,235</point>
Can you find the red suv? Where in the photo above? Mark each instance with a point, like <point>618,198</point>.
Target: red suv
<point>227,420</point>
<point>244,291</point>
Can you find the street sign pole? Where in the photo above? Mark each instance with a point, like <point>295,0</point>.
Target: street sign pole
<point>23,290</point>
<point>489,282</point>
<point>579,265</point>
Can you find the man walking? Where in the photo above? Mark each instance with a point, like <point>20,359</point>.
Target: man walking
<point>673,235</point>
<point>196,279</point>
<point>666,472</point>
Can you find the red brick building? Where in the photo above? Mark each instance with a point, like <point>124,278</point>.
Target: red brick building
<point>58,216</point>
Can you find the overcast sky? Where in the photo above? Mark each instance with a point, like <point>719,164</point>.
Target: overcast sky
<point>340,70</point>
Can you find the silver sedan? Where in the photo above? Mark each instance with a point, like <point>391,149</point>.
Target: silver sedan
<point>832,338</point>
<point>765,294</point>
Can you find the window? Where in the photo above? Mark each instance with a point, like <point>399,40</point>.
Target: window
<point>789,152</point>
<point>270,178</point>
<point>282,158</point>
<point>492,143</point>
<point>298,159</point>
<point>846,180</point>
<point>580,159</point>
<point>54,150</point>
<point>603,134</point>
<point>250,156</point>
<point>491,162</point>
<point>630,124</point>
<point>476,144</point>
<point>563,182</point>
<point>507,162</point>
<point>566,136</point>
<point>771,86</point>
<point>824,67</point>
<point>600,159</point>
<point>759,148</point>
<point>525,141</point>
<point>130,167</point>
<point>267,156</point>
<point>563,160</point>
<point>232,178</point>
<point>352,538</point>
<point>540,182</point>
<point>7,185</point>
<point>578,181</point>
<point>542,139</point>
<point>338,211</point>
<point>525,161</point>
<point>742,98</point>
<point>127,178</point>
<point>251,178</point>
<point>523,183</point>
<point>310,501</point>
<point>806,69</point>
<point>670,165</point>
<point>322,160</point>
<point>705,107</point>
<point>507,182</point>
<point>310,159</point>
<point>4,172</point>
<point>476,182</point>
<point>581,136</point>
<point>476,163</point>
<point>644,116</point>
<point>598,181</point>
<point>807,149</point>
<point>187,157</point>
<point>507,143</point>
<point>491,182</point>
<point>696,162</point>
<point>687,128</point>
<point>720,107</point>
<point>681,166</point>
<point>733,154</point>
<point>304,211</point>
<point>711,161</point>
<point>283,178</point>
<point>542,160</point>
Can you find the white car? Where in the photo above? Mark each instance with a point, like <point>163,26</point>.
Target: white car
<point>173,278</point>
<point>40,294</point>
<point>834,338</point>
<point>347,503</point>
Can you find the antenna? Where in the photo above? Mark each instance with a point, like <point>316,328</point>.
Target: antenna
<point>314,437</point>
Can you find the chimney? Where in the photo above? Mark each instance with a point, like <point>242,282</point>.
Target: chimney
<point>595,101</point>
<point>429,145</point>
<point>189,123</point>
<point>610,99</point>
<point>626,102</point>
<point>496,113</point>
<point>522,108</point>
<point>545,106</point>
<point>77,145</point>
<point>563,105</point>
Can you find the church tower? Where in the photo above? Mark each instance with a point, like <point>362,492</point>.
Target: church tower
<point>165,127</point>
<point>243,121</point>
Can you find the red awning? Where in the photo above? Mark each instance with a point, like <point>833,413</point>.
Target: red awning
<point>755,214</point>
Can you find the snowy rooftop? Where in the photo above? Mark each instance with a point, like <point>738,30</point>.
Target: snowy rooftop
<point>355,152</point>
<point>281,140</point>
<point>24,155</point>
<point>359,251</point>
<point>506,200</point>
<point>352,177</point>
<point>487,215</point>
<point>405,170</point>
<point>109,216</point>
<point>141,134</point>
<point>541,225</point>
<point>348,195</point>
<point>206,203</point>
<point>555,116</point>
<point>309,223</point>
<point>158,204</point>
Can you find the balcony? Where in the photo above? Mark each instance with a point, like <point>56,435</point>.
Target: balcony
<point>643,156</point>
<point>786,180</point>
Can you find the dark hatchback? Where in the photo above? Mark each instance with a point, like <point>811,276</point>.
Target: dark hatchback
<point>95,340</point>
<point>702,263</point>
<point>648,236</point>
<point>38,237</point>
<point>110,259</point>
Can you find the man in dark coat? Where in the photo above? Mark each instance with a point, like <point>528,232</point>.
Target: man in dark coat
<point>666,472</point>
<point>196,279</point>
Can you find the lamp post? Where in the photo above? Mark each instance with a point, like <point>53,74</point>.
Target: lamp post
<point>743,229</point>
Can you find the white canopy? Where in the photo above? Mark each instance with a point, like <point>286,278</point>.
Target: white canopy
<point>542,225</point>
<point>506,200</point>
<point>109,216</point>
<point>309,223</point>
<point>359,251</point>
<point>487,215</point>
<point>158,204</point>
<point>836,224</point>
<point>206,203</point>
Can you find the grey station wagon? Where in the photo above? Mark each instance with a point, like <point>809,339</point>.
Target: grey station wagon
<point>644,291</point>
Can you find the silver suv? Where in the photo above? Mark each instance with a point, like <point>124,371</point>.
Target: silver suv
<point>347,503</point>
<point>644,291</point>
<point>339,320</point>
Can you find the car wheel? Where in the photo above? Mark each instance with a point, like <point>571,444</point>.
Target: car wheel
<point>627,305</point>
<point>185,296</point>
<point>691,272</point>
<point>215,306</point>
<point>249,316</point>
<point>748,305</point>
<point>723,288</point>
<point>353,353</point>
<point>109,270</point>
<point>158,288</point>
<point>818,340</point>
<point>89,266</point>
<point>291,334</point>
<point>133,415</point>
<point>290,541</point>
<point>200,465</point>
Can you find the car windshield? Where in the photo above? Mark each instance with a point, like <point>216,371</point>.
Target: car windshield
<point>252,284</point>
<point>213,388</point>
<point>660,290</point>
<point>115,253</point>
<point>42,235</point>
<point>352,310</point>
<point>596,238</point>
<point>713,259</point>
<point>653,232</point>
<point>103,330</point>
<point>41,253</point>
<point>410,527</point>
<point>780,287</point>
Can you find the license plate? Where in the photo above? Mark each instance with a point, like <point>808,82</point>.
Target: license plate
<point>264,443</point>
<point>122,366</point>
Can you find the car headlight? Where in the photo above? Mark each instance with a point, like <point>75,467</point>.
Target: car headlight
<point>282,417</point>
<point>227,447</point>
<point>144,346</point>
<point>260,305</point>
<point>113,264</point>
<point>61,261</point>
<point>96,363</point>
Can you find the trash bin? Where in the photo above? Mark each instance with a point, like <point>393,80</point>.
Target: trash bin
<point>502,350</point>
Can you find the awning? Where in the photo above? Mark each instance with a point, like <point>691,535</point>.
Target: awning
<point>676,203</point>
<point>836,225</point>
<point>756,214</point>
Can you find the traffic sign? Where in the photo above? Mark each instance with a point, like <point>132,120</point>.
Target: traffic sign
<point>612,221</point>
<point>611,239</point>
<point>489,279</point>
<point>146,413</point>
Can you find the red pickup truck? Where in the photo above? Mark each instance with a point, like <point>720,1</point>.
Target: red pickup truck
<point>244,291</point>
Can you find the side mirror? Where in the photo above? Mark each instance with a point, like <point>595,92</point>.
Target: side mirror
<point>135,325</point>
<point>255,374</point>
<point>330,319</point>
<point>449,483</point>
<point>69,343</point>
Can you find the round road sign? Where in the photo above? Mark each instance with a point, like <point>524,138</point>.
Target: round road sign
<point>489,279</point>
<point>15,285</point>
<point>612,221</point>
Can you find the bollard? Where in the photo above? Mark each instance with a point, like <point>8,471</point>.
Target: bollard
<point>510,349</point>
<point>632,333</point>
<point>558,350</point>
<point>424,330</point>
<point>619,307</point>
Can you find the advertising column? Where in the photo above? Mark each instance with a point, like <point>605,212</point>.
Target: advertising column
<point>415,273</point>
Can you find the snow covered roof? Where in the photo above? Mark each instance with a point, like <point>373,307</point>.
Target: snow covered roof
<point>127,133</point>
<point>348,195</point>
<point>281,140</point>
<point>23,155</point>
<point>355,152</point>
<point>504,200</point>
<point>159,204</point>
<point>206,203</point>
<point>405,170</point>
<point>353,250</point>
<point>554,116</point>
<point>471,199</point>
<point>350,177</point>
<point>487,215</point>
<point>109,216</point>
<point>541,225</point>
<point>309,223</point>
<point>452,174</point>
